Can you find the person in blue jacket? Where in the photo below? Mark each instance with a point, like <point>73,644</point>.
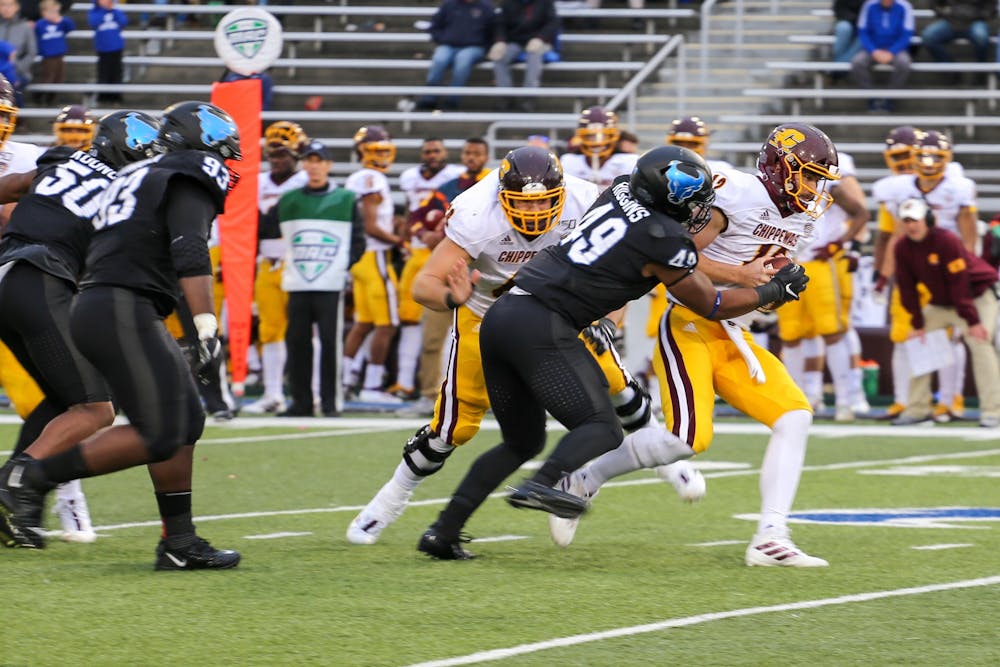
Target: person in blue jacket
<point>107,22</point>
<point>50,33</point>
<point>462,30</point>
<point>885,28</point>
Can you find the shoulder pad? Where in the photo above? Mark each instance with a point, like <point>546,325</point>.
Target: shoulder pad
<point>55,155</point>
<point>203,167</point>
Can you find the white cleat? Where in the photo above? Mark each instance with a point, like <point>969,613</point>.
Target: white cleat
<point>843,414</point>
<point>265,405</point>
<point>74,515</point>
<point>861,407</point>
<point>779,551</point>
<point>378,397</point>
<point>387,506</point>
<point>563,531</point>
<point>687,480</point>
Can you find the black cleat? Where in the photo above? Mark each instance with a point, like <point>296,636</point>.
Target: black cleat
<point>200,555</point>
<point>437,546</point>
<point>535,496</point>
<point>21,505</point>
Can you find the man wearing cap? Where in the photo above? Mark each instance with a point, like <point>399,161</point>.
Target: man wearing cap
<point>322,226</point>
<point>962,288</point>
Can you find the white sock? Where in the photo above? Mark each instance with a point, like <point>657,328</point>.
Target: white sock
<point>838,359</point>
<point>857,374</point>
<point>951,379</point>
<point>812,349</point>
<point>781,469</point>
<point>347,372</point>
<point>374,376</point>
<point>273,356</point>
<point>794,359</point>
<point>407,354</point>
<point>646,448</point>
<point>900,375</point>
<point>253,359</point>
<point>69,491</point>
<point>317,350</point>
<point>406,478</point>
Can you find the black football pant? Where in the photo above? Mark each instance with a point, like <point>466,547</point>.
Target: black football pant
<point>533,363</point>
<point>123,336</point>
<point>35,326</point>
<point>323,310</point>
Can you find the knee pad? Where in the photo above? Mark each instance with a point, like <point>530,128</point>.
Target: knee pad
<point>423,452</point>
<point>636,410</point>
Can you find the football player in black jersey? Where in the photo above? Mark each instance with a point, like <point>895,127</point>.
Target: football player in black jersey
<point>151,236</point>
<point>42,254</point>
<point>637,234</point>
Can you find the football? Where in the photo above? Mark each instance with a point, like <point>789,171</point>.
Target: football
<point>433,219</point>
<point>777,262</point>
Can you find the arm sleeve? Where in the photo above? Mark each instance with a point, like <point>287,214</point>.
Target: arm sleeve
<point>189,213</point>
<point>906,34</point>
<point>959,285</point>
<point>906,283</point>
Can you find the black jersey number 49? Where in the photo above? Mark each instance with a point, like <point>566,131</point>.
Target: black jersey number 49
<point>594,236</point>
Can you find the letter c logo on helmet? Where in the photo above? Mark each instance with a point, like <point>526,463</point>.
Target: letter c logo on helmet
<point>681,185</point>
<point>787,138</point>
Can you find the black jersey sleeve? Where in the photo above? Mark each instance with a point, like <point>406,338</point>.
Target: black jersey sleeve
<point>53,156</point>
<point>189,213</point>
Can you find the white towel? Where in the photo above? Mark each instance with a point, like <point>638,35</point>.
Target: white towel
<point>735,333</point>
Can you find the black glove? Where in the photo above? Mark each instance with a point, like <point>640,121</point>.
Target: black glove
<point>209,350</point>
<point>600,335</point>
<point>785,286</point>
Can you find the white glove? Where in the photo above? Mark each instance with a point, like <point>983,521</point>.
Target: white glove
<point>209,345</point>
<point>536,45</point>
<point>496,51</point>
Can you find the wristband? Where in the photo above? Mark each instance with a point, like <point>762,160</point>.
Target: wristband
<point>715,308</point>
<point>206,325</point>
<point>450,302</point>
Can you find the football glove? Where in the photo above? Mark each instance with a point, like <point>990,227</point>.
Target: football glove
<point>785,286</point>
<point>600,335</point>
<point>209,349</point>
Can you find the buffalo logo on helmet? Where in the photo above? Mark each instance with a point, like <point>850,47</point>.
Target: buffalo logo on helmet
<point>682,185</point>
<point>214,128</point>
<point>138,132</point>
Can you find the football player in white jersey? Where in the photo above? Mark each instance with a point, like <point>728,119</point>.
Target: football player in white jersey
<point>283,144</point>
<point>417,183</point>
<point>952,197</point>
<point>755,218</point>
<point>376,304</point>
<point>692,133</point>
<point>821,318</point>
<point>598,161</point>
<point>492,229</point>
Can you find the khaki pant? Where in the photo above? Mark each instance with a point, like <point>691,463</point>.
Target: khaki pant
<point>985,367</point>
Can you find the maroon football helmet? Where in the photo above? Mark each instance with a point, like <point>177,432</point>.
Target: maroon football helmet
<point>74,127</point>
<point>795,164</point>
<point>597,131</point>
<point>898,153</point>
<point>932,152</point>
<point>689,132</point>
<point>531,174</point>
<point>374,147</point>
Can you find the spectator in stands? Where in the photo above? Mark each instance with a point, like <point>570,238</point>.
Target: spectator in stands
<point>7,68</point>
<point>637,23</point>
<point>885,28</point>
<point>962,296</point>
<point>522,26</point>
<point>50,33</point>
<point>107,22</point>
<point>266,85</point>
<point>462,30</point>
<point>540,140</point>
<point>19,34</point>
<point>845,29</point>
<point>953,20</point>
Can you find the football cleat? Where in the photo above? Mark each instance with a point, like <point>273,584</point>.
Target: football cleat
<point>779,551</point>
<point>687,480</point>
<point>21,506</point>
<point>536,496</point>
<point>843,413</point>
<point>437,546</point>
<point>387,506</point>
<point>941,414</point>
<point>378,397</point>
<point>561,530</point>
<point>894,411</point>
<point>199,555</point>
<point>74,515</point>
<point>264,405</point>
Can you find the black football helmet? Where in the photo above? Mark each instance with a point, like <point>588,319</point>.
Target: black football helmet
<point>531,174</point>
<point>676,181</point>
<point>74,127</point>
<point>125,136</point>
<point>791,152</point>
<point>8,110</point>
<point>200,126</point>
<point>689,132</point>
<point>899,152</point>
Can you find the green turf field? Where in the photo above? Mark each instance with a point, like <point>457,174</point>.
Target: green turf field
<point>649,580</point>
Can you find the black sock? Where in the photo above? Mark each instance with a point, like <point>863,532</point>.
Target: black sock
<point>66,466</point>
<point>485,475</point>
<point>175,512</point>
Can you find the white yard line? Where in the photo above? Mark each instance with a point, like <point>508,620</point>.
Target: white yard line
<point>575,640</point>
<point>939,547</point>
